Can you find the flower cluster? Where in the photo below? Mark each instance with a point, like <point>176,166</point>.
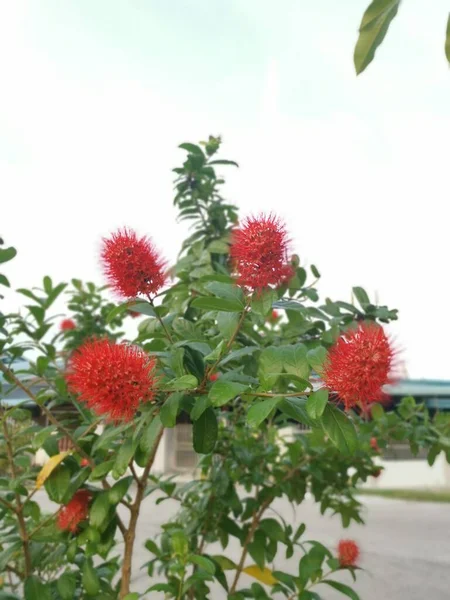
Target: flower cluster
<point>359,365</point>
<point>112,379</point>
<point>67,325</point>
<point>259,253</point>
<point>348,553</point>
<point>132,265</point>
<point>76,511</point>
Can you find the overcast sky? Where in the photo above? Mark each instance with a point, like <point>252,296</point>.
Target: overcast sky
<point>97,94</point>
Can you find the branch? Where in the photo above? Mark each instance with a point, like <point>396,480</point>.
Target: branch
<point>18,511</point>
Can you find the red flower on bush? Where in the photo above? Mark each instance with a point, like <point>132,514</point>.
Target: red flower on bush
<point>132,265</point>
<point>348,553</point>
<point>76,511</point>
<point>67,325</point>
<point>112,379</point>
<point>84,462</point>
<point>259,253</point>
<point>359,364</point>
<point>214,377</point>
<point>275,315</point>
<point>374,444</point>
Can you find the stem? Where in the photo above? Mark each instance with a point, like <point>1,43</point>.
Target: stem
<point>253,527</point>
<point>44,522</point>
<point>130,534</point>
<point>61,428</point>
<point>20,517</point>
<point>180,589</point>
<point>161,322</point>
<point>280,394</point>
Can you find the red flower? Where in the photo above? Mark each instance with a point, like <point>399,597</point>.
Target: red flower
<point>275,315</point>
<point>111,378</point>
<point>214,377</point>
<point>359,364</point>
<point>374,444</point>
<point>67,325</point>
<point>132,265</point>
<point>348,553</point>
<point>84,462</point>
<point>259,253</point>
<point>74,512</point>
<point>134,314</point>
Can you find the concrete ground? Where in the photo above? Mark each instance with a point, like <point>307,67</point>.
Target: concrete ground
<point>405,548</point>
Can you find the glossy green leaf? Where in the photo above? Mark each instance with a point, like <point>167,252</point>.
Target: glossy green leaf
<point>186,382</point>
<point>447,40</point>
<point>99,509</point>
<point>295,408</point>
<point>213,303</point>
<point>273,529</point>
<point>205,432</point>
<point>316,402</point>
<point>102,469</point>
<point>123,458</point>
<point>169,410</point>
<point>223,391</point>
<point>7,254</point>
<point>362,297</point>
<point>270,365</point>
<point>200,405</point>
<point>66,584</point>
<point>192,148</point>
<point>339,429</point>
<point>316,358</point>
<point>341,587</point>
<point>119,489</point>
<point>90,579</point>
<point>372,31</point>
<point>35,589</point>
<point>261,410</point>
<point>295,360</point>
<point>203,562</point>
<point>150,434</point>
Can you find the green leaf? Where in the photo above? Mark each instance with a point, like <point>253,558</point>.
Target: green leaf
<point>7,254</point>
<point>117,311</point>
<point>57,483</point>
<point>237,354</point>
<point>144,308</point>
<point>376,411</point>
<point>316,402</point>
<point>270,365</point>
<point>447,41</point>
<point>203,562</point>
<point>150,434</point>
<point>41,436</point>
<point>102,469</point>
<point>273,529</point>
<point>300,531</point>
<point>34,589</point>
<point>261,410</point>
<point>4,281</point>
<point>316,358</point>
<point>226,290</point>
<point>362,297</point>
<point>295,408</point>
<point>205,432</point>
<point>119,489</point>
<point>186,382</point>
<point>295,360</point>
<point>224,562</point>
<point>223,162</point>
<point>169,410</point>
<point>213,303</point>
<point>227,323</point>
<point>341,587</point>
<point>315,271</point>
<point>218,247</point>
<point>123,458</point>
<point>372,31</point>
<point>257,549</point>
<point>99,510</point>
<point>262,301</point>
<point>90,579</point>
<point>66,584</point>
<point>223,391</point>
<point>339,429</point>
<point>193,148</point>
<point>201,404</point>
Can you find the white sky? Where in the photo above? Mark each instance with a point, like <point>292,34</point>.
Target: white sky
<point>96,96</point>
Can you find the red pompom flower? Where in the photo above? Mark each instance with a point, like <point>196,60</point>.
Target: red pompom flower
<point>214,377</point>
<point>359,365</point>
<point>374,444</point>
<point>76,511</point>
<point>67,325</point>
<point>259,253</point>
<point>132,265</point>
<point>348,553</point>
<point>112,379</point>
<point>84,462</point>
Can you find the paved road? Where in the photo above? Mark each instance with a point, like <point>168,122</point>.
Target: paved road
<point>405,547</point>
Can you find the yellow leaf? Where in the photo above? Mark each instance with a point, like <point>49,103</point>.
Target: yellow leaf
<point>49,467</point>
<point>263,575</point>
